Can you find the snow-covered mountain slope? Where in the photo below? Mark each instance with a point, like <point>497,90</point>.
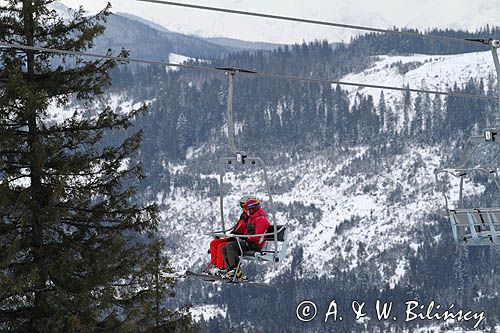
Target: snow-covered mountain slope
<point>420,71</point>
<point>385,14</point>
<point>145,40</point>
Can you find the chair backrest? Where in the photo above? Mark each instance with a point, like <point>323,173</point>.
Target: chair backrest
<point>281,233</point>
<point>268,252</point>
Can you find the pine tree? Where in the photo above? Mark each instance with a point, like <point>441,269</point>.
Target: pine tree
<point>406,112</point>
<point>392,122</point>
<point>437,117</point>
<point>416,124</point>
<point>182,131</point>
<point>77,253</point>
<point>427,115</point>
<point>342,111</point>
<point>382,110</point>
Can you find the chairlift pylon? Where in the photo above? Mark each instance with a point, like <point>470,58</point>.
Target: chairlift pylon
<point>475,225</point>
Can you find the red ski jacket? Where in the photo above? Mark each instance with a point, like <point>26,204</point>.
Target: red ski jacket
<point>241,226</point>
<point>261,224</point>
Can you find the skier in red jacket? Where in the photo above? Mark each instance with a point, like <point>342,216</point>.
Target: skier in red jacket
<point>218,265</point>
<point>257,224</point>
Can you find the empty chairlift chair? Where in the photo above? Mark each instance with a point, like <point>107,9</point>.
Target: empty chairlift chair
<point>476,225</point>
<point>472,225</point>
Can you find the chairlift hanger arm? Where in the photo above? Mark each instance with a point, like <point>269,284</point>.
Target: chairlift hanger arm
<point>234,70</point>
<point>462,172</point>
<point>231,72</point>
<point>241,156</point>
<point>459,172</point>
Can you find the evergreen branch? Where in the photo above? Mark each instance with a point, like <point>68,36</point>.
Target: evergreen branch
<point>4,152</point>
<point>16,178</point>
<point>11,9</point>
<point>106,212</point>
<point>78,22</point>
<point>121,224</point>
<point>15,314</point>
<point>16,164</point>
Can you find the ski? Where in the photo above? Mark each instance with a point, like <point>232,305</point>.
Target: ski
<point>211,278</point>
<point>204,276</point>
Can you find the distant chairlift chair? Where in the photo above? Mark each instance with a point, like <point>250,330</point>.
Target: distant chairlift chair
<point>472,226</point>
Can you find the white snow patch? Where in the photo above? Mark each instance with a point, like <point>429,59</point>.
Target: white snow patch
<point>208,311</point>
<point>428,72</point>
<point>120,103</point>
<point>398,274</point>
<point>123,104</point>
<point>58,114</point>
<point>425,72</point>
<point>175,58</point>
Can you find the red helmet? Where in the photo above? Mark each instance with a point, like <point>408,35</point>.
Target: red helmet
<point>246,198</point>
<point>251,203</point>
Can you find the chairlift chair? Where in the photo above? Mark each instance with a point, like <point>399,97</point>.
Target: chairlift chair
<point>277,235</point>
<point>472,225</point>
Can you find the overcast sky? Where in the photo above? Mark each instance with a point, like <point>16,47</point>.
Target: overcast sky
<point>419,14</point>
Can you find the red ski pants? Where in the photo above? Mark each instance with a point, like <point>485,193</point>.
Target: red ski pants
<point>217,258</point>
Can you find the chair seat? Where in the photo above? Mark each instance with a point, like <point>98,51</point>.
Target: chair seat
<point>260,256</point>
<point>484,237</point>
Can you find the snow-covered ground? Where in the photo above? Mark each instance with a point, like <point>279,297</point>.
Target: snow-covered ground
<point>427,72</point>
<point>119,102</point>
<point>174,58</point>
<point>208,312</point>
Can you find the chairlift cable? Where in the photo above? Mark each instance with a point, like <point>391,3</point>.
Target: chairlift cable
<point>243,72</point>
<point>302,20</point>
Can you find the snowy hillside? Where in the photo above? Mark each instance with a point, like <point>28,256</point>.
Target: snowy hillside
<point>363,209</point>
<point>420,71</point>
